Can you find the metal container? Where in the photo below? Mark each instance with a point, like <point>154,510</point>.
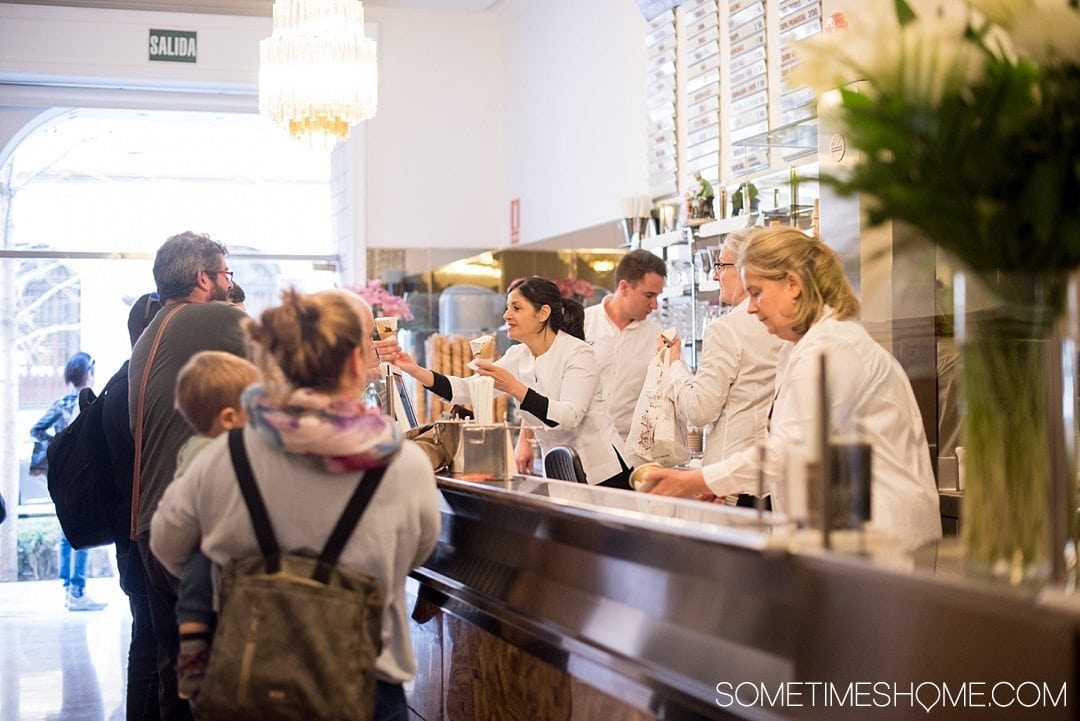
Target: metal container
<point>470,310</point>
<point>483,451</point>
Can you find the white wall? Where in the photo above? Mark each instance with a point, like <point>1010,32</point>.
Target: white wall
<point>435,150</point>
<point>109,47</point>
<point>542,101</point>
<point>575,112</point>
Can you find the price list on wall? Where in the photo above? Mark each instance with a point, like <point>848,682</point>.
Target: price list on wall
<point>660,41</point>
<point>701,28</point>
<point>748,107</point>
<point>799,19</point>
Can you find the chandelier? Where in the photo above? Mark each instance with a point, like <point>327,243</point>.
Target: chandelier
<point>317,70</point>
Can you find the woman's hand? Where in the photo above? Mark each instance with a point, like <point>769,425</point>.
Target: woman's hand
<point>672,482</point>
<point>523,454</point>
<point>505,381</point>
<point>389,351</point>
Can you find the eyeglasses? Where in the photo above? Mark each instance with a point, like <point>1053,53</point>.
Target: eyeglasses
<point>720,266</point>
<point>215,273</point>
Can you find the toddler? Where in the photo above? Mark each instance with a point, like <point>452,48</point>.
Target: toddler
<point>208,391</point>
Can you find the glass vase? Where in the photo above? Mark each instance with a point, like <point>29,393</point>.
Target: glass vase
<point>1017,335</point>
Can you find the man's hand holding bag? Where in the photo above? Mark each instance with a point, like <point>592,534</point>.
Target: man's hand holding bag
<point>656,433</point>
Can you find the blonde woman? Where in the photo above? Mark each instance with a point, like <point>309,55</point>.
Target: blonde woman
<point>797,288</point>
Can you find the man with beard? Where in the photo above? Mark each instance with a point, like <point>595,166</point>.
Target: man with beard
<point>193,282</point>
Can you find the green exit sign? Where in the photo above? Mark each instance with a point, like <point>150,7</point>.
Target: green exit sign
<point>172,46</point>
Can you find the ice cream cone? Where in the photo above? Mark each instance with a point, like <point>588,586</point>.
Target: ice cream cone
<point>386,327</point>
<point>483,348</point>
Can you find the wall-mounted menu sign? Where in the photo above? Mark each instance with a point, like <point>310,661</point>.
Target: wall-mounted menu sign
<point>173,46</point>
<point>660,42</point>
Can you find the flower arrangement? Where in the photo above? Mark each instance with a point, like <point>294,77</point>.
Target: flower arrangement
<point>384,304</point>
<point>576,288</point>
<point>967,113</point>
<point>967,116</point>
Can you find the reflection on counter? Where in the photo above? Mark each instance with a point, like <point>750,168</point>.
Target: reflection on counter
<point>716,522</point>
<point>643,614</point>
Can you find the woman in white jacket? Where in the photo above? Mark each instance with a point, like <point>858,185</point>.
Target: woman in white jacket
<point>553,374</point>
<point>732,391</point>
<point>797,288</point>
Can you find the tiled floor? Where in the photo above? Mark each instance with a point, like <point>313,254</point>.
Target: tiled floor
<point>59,665</point>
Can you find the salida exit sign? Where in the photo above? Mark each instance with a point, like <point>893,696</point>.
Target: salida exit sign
<point>173,46</point>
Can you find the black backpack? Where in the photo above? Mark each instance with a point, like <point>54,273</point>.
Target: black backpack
<point>82,479</point>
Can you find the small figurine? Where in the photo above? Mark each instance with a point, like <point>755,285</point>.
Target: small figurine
<point>751,191</point>
<point>699,202</point>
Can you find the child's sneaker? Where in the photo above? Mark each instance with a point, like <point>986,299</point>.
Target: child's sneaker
<point>191,665</point>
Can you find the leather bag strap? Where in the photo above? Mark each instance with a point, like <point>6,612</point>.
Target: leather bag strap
<point>136,472</point>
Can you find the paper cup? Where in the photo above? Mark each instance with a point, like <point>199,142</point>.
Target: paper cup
<point>637,477</point>
<point>386,327</point>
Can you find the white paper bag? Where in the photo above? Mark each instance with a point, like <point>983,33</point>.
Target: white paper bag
<point>656,434</point>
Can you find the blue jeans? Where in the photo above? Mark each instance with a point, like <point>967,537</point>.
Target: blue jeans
<point>73,566</point>
<point>390,702</point>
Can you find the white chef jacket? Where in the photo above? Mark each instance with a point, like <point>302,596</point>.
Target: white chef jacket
<point>869,394</point>
<point>566,374</point>
<point>732,391</point>
<point>623,357</point>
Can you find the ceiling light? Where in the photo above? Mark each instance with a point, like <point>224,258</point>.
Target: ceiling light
<point>317,71</point>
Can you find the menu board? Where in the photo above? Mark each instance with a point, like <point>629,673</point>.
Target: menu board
<point>748,102</point>
<point>798,19</point>
<point>701,29</point>
<point>721,100</point>
<point>660,94</point>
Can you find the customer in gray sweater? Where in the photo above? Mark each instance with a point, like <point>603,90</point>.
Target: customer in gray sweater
<point>309,439</point>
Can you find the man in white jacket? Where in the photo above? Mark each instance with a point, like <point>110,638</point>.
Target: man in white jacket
<point>621,336</point>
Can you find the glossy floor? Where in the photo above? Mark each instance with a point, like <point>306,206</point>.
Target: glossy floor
<point>60,665</point>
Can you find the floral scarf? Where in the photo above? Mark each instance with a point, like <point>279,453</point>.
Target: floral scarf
<point>340,435</point>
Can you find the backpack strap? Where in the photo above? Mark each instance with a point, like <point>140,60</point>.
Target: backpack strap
<point>350,518</point>
<point>260,519</point>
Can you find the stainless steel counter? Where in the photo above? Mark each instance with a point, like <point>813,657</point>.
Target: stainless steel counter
<point>669,605</point>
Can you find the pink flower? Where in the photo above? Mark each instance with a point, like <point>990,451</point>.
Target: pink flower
<point>384,304</point>
<point>575,288</point>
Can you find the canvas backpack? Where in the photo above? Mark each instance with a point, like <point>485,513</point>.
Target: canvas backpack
<point>81,477</point>
<point>297,636</point>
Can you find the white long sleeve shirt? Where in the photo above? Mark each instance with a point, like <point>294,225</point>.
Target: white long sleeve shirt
<point>623,358</point>
<point>869,393</point>
<point>566,375</point>
<point>733,388</point>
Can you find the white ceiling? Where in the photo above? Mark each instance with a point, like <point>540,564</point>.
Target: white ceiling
<point>454,5</point>
<point>256,7</point>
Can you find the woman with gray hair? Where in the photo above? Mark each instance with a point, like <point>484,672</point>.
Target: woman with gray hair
<point>797,288</point>
<point>733,388</point>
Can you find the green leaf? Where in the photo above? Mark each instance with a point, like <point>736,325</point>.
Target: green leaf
<point>904,13</point>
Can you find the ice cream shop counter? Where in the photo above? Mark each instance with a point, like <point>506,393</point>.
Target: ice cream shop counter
<point>552,600</point>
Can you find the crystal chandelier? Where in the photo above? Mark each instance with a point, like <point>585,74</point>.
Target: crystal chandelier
<point>317,71</point>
